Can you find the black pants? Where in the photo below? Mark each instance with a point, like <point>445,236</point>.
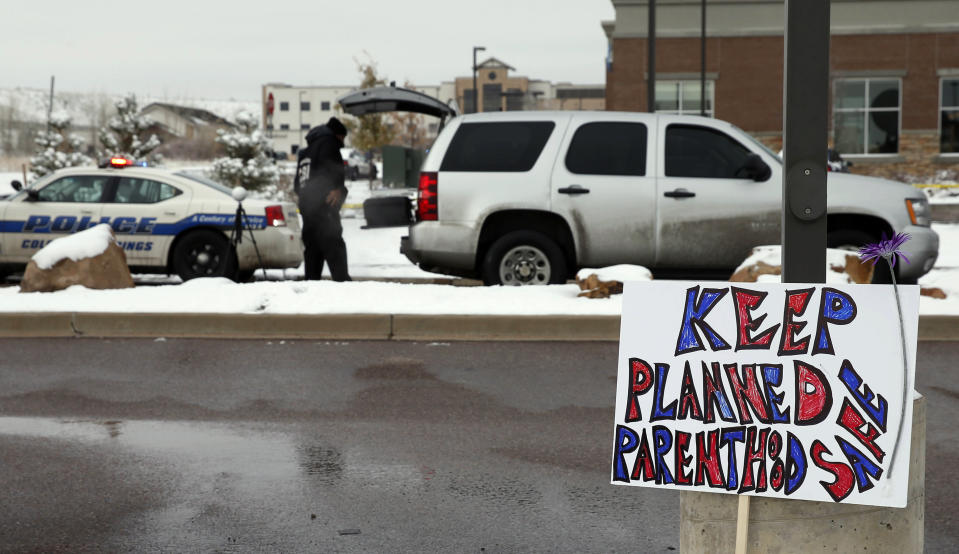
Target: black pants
<point>323,242</point>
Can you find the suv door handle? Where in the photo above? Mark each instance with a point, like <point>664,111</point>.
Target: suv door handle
<point>573,189</point>
<point>679,193</point>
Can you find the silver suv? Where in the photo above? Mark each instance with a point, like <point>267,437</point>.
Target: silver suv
<point>529,197</point>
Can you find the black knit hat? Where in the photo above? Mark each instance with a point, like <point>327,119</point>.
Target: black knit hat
<point>336,126</point>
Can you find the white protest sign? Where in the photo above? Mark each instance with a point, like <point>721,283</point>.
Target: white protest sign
<point>777,390</point>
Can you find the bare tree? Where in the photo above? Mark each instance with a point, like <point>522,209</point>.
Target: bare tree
<point>410,128</point>
<point>370,131</point>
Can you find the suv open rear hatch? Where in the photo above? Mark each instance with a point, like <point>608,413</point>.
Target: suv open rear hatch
<point>394,99</point>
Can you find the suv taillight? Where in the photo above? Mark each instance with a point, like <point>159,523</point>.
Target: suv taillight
<point>275,217</point>
<point>427,199</point>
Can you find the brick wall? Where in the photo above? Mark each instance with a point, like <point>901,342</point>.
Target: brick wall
<point>749,89</point>
<point>918,161</point>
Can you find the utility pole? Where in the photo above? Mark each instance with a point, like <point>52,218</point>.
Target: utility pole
<point>702,59</point>
<point>50,106</point>
<point>651,59</point>
<point>475,91</point>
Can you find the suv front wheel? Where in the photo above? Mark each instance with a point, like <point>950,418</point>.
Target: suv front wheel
<point>524,258</point>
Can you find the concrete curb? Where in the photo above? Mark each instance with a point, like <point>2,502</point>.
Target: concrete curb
<point>408,327</point>
<point>495,327</point>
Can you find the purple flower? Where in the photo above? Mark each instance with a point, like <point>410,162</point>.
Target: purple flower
<point>885,248</point>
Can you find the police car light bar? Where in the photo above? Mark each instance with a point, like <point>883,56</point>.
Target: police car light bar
<point>120,162</point>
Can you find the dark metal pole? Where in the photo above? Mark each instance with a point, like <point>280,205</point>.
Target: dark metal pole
<point>805,129</point>
<point>50,107</point>
<point>651,61</point>
<point>475,90</point>
<point>702,60</point>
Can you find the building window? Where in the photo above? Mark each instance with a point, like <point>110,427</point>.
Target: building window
<point>492,98</point>
<point>284,106</point>
<point>269,126</point>
<point>469,100</point>
<point>949,112</point>
<point>683,97</point>
<point>304,106</point>
<point>325,106</point>
<point>866,116</point>
<point>514,99</point>
<point>284,127</point>
<point>305,126</point>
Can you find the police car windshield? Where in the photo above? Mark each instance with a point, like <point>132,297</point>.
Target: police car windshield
<point>199,178</point>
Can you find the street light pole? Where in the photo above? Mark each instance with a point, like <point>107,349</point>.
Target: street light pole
<point>702,60</point>
<point>651,58</point>
<point>475,91</point>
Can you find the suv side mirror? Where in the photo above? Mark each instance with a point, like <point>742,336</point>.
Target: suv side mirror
<point>754,168</point>
<point>16,185</point>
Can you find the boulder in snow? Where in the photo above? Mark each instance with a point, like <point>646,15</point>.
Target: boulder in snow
<point>90,258</point>
<point>601,283</point>
<point>933,292</point>
<point>764,264</point>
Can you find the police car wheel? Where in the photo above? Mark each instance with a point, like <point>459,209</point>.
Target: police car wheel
<point>204,253</point>
<point>245,275</point>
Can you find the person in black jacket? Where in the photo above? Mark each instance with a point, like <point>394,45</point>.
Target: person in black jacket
<point>319,184</point>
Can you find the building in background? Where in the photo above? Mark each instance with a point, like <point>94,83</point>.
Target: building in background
<point>172,121</point>
<point>497,89</point>
<point>894,71</point>
<point>296,109</point>
<point>186,132</point>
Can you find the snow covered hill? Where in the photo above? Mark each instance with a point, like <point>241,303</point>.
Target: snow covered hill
<point>84,108</point>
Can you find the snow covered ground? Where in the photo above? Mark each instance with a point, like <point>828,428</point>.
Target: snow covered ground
<point>374,253</point>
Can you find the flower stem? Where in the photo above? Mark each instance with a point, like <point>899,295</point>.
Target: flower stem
<point>905,365</point>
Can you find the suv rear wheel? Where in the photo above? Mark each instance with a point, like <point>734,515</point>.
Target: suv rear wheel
<point>524,258</point>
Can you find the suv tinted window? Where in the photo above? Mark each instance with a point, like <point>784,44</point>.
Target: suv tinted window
<point>693,151</point>
<point>608,148</point>
<point>75,188</point>
<point>506,146</point>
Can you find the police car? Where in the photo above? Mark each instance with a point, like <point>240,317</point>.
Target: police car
<point>166,222</point>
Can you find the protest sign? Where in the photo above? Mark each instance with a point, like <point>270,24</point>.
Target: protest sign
<point>776,390</point>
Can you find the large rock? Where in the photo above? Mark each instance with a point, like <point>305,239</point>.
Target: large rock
<point>601,283</point>
<point>106,270</point>
<point>842,266</point>
<point>933,292</point>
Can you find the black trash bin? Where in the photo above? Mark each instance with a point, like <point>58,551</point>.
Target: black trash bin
<point>388,211</point>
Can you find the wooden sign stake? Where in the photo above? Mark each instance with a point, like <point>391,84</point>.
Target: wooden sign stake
<point>742,524</point>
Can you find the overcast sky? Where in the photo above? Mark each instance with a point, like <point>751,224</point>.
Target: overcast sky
<point>226,49</point>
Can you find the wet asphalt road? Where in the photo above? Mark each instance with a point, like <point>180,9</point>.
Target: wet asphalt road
<point>305,446</point>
